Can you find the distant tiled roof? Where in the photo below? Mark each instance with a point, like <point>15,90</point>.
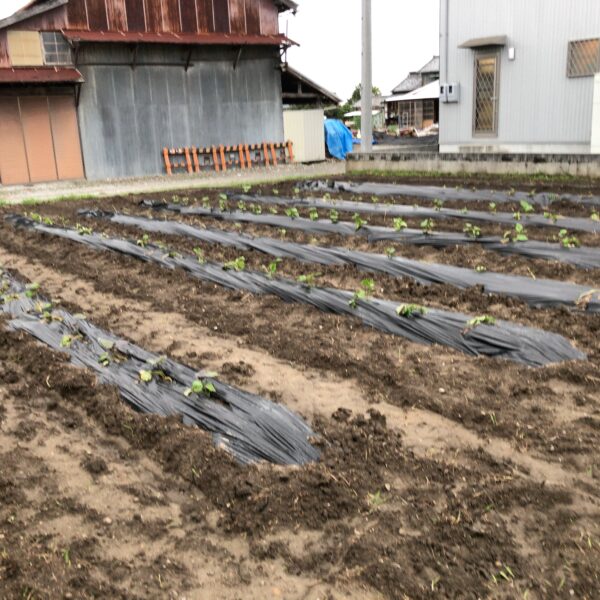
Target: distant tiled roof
<point>40,75</point>
<point>433,66</point>
<point>415,79</point>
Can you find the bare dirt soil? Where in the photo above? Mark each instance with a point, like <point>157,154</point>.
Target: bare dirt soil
<point>442,475</point>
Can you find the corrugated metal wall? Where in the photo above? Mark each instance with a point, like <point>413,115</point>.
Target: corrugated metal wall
<point>538,104</point>
<point>127,115</point>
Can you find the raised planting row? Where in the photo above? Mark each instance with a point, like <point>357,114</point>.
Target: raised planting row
<point>431,192</point>
<point>251,428</point>
<point>475,336</point>
<point>516,244</point>
<point>537,293</point>
<point>524,216</point>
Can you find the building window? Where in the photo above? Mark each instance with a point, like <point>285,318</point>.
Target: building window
<point>24,48</point>
<point>584,58</point>
<point>485,117</point>
<point>56,49</point>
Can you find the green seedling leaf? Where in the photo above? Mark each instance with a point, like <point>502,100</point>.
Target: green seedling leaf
<point>427,226</point>
<point>359,223</point>
<point>239,264</point>
<point>481,320</point>
<point>199,253</point>
<point>292,213</point>
<point>526,207</point>
<point>410,310</point>
<point>493,207</point>
<point>104,359</point>
<point>334,216</point>
<point>31,290</point>
<point>472,230</point>
<point>390,251</point>
<point>399,224</point>
<point>145,376</point>
<point>313,214</point>
<point>144,240</point>
<point>438,204</point>
<point>106,344</point>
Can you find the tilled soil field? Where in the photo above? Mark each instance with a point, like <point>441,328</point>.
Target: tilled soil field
<point>441,475</point>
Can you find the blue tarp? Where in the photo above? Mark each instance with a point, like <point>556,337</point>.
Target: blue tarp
<point>338,138</point>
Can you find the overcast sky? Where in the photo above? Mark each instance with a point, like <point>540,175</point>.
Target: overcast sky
<point>405,37</point>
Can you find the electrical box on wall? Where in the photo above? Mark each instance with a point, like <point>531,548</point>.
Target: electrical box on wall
<point>449,93</point>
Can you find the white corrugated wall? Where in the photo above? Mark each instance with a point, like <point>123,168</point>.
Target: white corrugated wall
<point>539,106</point>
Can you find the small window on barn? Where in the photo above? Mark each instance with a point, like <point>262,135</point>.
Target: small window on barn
<point>56,49</point>
<point>584,58</point>
<point>24,48</point>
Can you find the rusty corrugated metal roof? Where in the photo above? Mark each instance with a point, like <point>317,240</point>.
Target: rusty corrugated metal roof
<point>40,75</point>
<point>191,39</point>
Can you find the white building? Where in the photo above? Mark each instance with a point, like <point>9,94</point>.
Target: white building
<point>520,76</point>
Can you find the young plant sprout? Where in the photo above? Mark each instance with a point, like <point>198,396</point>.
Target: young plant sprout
<point>517,215</point>
<point>67,340</point>
<point>493,207</point>
<point>239,264</point>
<point>390,251</point>
<point>200,387</point>
<point>399,224</point>
<point>568,241</point>
<point>480,269</point>
<point>271,268</point>
<point>427,226</point>
<point>309,279</point>
<point>246,188</point>
<point>595,216</point>
<point>275,192</point>
<point>438,204</point>
<point>82,230</point>
<point>472,230</point>
<point>31,290</point>
<point>464,210</point>
<point>334,215</point>
<point>367,287</point>
<point>206,202</point>
<point>223,205</point>
<point>481,320</point>
<point>200,255</point>
<point>374,199</point>
<point>526,207</point>
<point>517,234</point>
<point>551,216</point>
<point>42,220</point>
<point>292,213</point>
<point>410,310</point>
<point>313,214</point>
<point>273,210</point>
<point>257,210</point>
<point>241,205</point>
<point>144,241</point>
<point>359,223</point>
<point>327,196</point>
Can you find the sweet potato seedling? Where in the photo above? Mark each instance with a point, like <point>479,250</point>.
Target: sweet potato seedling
<point>32,289</point>
<point>427,226</point>
<point>438,204</point>
<point>526,207</point>
<point>292,213</point>
<point>411,310</point>
<point>390,251</point>
<point>359,222</point>
<point>551,216</point>
<point>67,340</point>
<point>399,224</point>
<point>200,255</point>
<point>246,188</point>
<point>493,207</point>
<point>334,215</point>
<point>239,264</point>
<point>200,387</point>
<point>480,269</point>
<point>568,241</point>
<point>144,241</point>
<point>223,204</point>
<point>206,202</point>
<point>477,321</point>
<point>367,287</point>
<point>595,216</point>
<point>313,214</point>
<point>517,234</point>
<point>271,268</point>
<point>39,219</point>
<point>472,230</point>
<point>309,279</point>
<point>374,199</point>
<point>241,205</point>
<point>273,210</point>
<point>82,230</point>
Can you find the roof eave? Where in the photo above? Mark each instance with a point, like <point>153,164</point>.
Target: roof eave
<point>29,11</point>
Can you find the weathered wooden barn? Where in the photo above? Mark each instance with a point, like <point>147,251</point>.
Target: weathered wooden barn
<point>95,88</point>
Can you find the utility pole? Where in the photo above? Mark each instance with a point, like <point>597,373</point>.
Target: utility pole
<point>366,121</point>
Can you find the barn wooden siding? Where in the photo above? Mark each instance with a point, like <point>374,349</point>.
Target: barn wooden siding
<point>253,17</point>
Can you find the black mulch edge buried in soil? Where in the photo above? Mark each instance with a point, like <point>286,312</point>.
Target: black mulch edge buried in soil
<point>400,210</point>
<point>540,293</point>
<point>505,340</point>
<point>585,257</point>
<point>251,428</point>
<point>432,192</point>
